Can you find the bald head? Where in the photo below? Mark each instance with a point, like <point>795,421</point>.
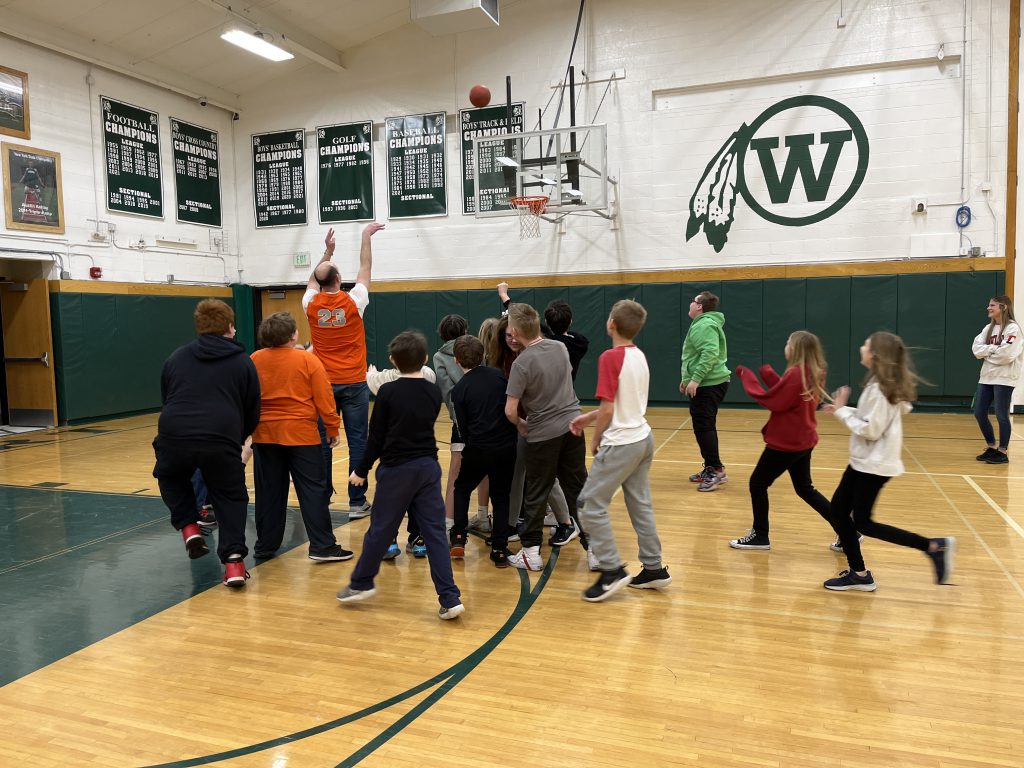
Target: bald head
<point>327,276</point>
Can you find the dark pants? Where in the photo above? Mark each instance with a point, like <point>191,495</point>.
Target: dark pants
<point>704,415</point>
<point>224,473</point>
<point>986,396</point>
<point>856,494</point>
<point>769,468</point>
<point>563,457</point>
<point>414,486</point>
<point>272,465</point>
<point>199,488</point>
<point>352,401</point>
<point>496,465</point>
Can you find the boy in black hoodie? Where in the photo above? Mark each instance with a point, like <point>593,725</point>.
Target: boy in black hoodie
<point>210,395</point>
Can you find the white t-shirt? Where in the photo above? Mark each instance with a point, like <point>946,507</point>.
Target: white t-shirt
<point>624,378</point>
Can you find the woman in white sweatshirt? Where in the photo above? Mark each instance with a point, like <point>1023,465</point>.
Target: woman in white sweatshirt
<point>999,347</point>
<point>876,444</point>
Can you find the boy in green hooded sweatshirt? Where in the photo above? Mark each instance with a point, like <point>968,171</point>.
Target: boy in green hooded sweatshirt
<point>705,380</point>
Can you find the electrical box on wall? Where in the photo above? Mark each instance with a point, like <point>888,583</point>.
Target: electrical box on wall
<point>919,205</point>
<point>301,259</point>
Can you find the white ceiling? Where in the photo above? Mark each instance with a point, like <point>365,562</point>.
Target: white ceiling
<point>177,42</point>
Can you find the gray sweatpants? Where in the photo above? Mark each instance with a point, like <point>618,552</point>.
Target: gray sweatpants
<point>626,466</point>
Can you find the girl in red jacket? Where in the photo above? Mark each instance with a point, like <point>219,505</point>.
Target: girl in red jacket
<point>791,432</point>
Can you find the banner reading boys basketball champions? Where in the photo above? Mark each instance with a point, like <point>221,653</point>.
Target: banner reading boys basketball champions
<point>279,178</point>
<point>488,121</point>
<point>131,140</point>
<point>345,157</point>
<point>196,173</point>
<point>417,184</point>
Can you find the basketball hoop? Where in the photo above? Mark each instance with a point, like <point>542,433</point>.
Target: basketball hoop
<point>529,208</point>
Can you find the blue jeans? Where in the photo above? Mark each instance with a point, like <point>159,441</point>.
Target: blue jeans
<point>199,488</point>
<point>353,403</point>
<point>983,400</point>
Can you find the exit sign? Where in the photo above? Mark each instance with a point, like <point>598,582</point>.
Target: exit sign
<point>301,259</point>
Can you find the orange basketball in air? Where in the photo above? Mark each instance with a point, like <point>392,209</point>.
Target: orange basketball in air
<point>479,96</point>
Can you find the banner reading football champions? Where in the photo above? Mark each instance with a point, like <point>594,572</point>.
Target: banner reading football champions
<point>417,184</point>
<point>345,159</point>
<point>279,178</point>
<point>131,143</point>
<point>196,173</point>
<point>487,121</point>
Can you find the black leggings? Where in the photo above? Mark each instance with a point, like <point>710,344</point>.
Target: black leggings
<point>769,468</point>
<point>856,494</point>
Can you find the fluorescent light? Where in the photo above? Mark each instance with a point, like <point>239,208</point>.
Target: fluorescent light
<point>507,161</point>
<point>256,43</point>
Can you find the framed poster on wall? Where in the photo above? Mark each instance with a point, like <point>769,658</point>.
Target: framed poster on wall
<point>33,196</point>
<point>14,103</point>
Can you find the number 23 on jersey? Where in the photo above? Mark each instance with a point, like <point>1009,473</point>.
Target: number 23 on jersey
<point>330,318</point>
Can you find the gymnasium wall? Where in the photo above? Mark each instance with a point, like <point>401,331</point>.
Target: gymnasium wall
<point>65,118</point>
<point>927,82</point>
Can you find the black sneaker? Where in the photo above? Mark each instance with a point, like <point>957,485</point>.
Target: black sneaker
<point>998,457</point>
<point>500,558</point>
<point>986,455</point>
<point>651,578</point>
<point>752,540</point>
<point>942,558</point>
<point>698,477</point>
<point>563,535</point>
<point>205,517</point>
<point>607,584</point>
<point>848,580</point>
<point>334,555</point>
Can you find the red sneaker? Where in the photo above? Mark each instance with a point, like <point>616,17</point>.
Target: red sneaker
<point>235,573</point>
<point>194,544</point>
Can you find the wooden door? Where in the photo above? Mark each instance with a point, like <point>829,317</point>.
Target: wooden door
<point>28,353</point>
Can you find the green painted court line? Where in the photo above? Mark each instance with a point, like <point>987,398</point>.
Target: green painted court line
<point>449,678</point>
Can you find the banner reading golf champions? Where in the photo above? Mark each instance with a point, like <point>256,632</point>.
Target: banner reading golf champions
<point>131,141</point>
<point>488,121</point>
<point>417,184</point>
<point>345,159</point>
<point>196,173</point>
<point>279,178</point>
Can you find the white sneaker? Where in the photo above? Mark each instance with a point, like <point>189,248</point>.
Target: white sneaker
<point>481,521</point>
<point>356,513</point>
<point>527,559</point>
<point>450,613</point>
<point>592,563</point>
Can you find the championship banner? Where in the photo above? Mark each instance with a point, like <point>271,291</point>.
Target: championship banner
<point>417,182</point>
<point>131,141</point>
<point>345,159</point>
<point>487,121</point>
<point>196,173</point>
<point>279,178</point>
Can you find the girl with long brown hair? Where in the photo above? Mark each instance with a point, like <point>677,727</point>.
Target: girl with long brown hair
<point>999,347</point>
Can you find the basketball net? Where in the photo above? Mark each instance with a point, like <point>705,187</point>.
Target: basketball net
<point>529,208</point>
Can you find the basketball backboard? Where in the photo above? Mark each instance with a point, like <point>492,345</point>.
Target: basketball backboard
<point>569,165</point>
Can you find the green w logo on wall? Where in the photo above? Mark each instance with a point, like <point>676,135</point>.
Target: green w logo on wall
<point>713,204</point>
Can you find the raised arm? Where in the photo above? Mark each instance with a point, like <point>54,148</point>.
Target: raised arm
<point>312,284</point>
<point>503,295</point>
<point>366,253</point>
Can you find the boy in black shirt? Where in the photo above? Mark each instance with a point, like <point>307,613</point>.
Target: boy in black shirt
<point>490,445</point>
<point>409,478</point>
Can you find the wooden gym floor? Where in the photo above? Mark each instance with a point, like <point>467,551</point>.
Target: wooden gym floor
<point>119,651</point>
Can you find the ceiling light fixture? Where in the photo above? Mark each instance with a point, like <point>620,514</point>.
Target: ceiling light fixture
<point>256,42</point>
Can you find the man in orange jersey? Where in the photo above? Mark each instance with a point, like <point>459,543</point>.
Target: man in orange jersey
<point>339,340</point>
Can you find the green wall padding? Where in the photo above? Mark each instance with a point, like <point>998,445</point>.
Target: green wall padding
<point>243,299</point>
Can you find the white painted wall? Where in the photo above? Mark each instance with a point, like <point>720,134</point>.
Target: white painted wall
<point>65,118</point>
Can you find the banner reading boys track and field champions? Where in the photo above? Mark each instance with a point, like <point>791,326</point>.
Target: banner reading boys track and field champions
<point>279,178</point>
<point>131,141</point>
<point>345,158</point>
<point>417,182</point>
<point>196,173</point>
<point>487,121</point>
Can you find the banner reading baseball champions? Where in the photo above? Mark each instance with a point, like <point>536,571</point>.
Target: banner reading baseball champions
<point>279,178</point>
<point>487,121</point>
<point>131,141</point>
<point>345,158</point>
<point>417,183</point>
<point>196,173</point>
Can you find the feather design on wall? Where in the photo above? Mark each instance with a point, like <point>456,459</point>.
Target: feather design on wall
<point>713,204</point>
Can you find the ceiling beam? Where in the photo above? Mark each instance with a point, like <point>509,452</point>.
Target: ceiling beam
<point>298,39</point>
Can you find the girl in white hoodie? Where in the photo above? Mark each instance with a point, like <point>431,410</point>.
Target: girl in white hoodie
<point>875,448</point>
<point>1000,346</point>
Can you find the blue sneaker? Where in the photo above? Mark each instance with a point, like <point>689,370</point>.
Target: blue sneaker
<point>419,548</point>
<point>393,551</point>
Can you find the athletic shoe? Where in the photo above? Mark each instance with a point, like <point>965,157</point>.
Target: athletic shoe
<point>349,595</point>
<point>393,551</point>
<point>986,455</point>
<point>528,559</point>
<point>333,555</point>
<point>206,517</point>
<point>235,574</point>
<point>592,563</point>
<point>452,612</point>
<point>713,480</point>
<point>998,457</point>
<point>942,558</point>
<point>698,477</point>
<point>607,584</point>
<point>357,513</point>
<point>418,547</point>
<point>752,540</point>
<point>848,580</point>
<point>500,558</point>
<point>193,538</point>
<point>564,534</point>
<point>651,578</point>
<point>837,545</point>
<point>458,547</point>
<point>481,521</point>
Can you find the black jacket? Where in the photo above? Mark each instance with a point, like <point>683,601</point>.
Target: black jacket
<point>209,390</point>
